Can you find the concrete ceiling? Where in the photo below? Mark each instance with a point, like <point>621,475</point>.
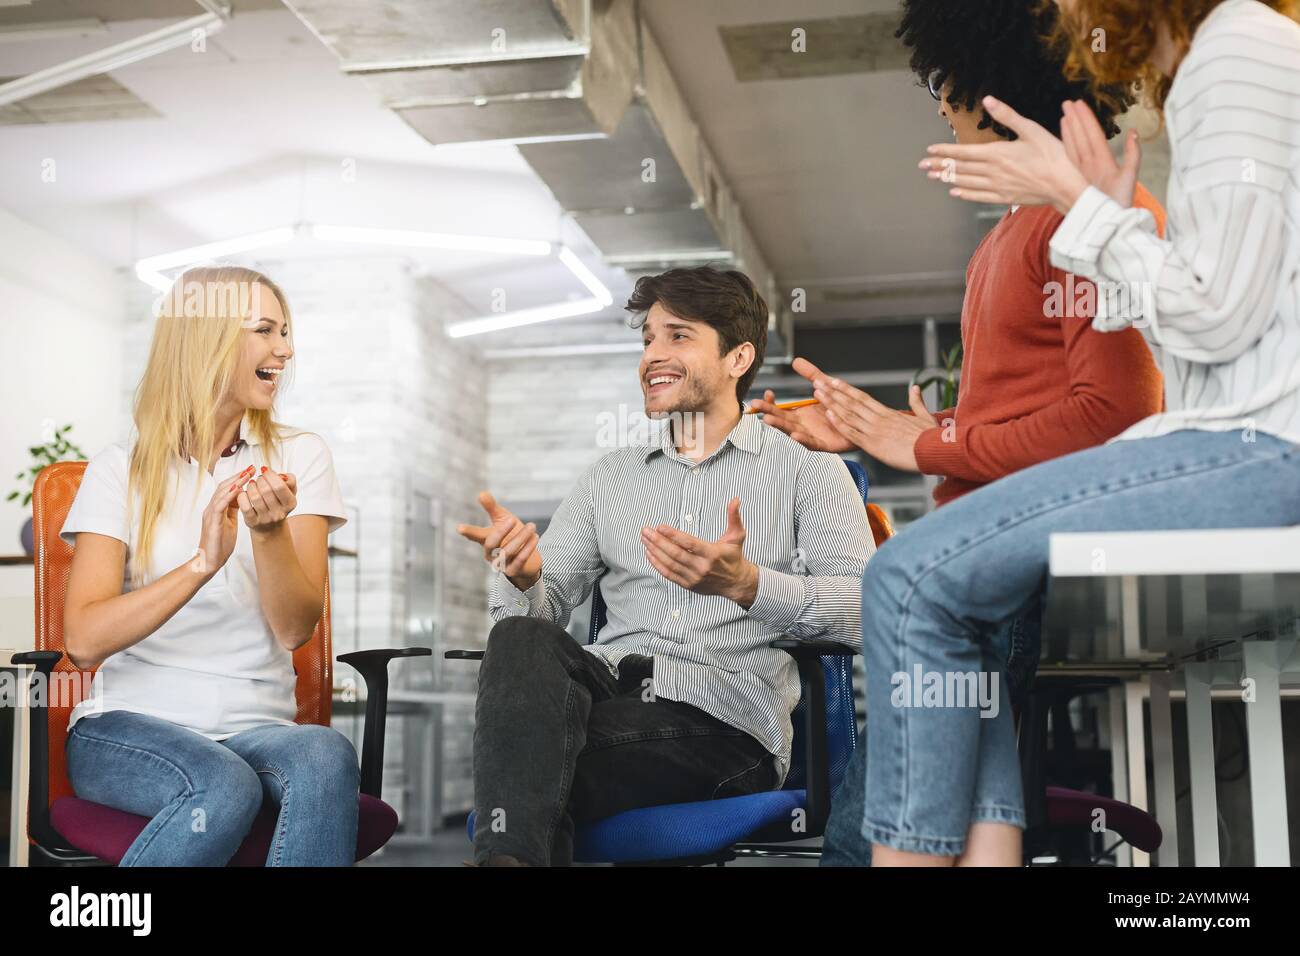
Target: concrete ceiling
<point>825,166</point>
<point>262,130</point>
<point>252,134</point>
<point>19,12</point>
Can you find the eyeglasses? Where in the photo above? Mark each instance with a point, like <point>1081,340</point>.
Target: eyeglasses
<point>934,83</point>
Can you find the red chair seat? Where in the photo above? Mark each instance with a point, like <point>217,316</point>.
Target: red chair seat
<point>1074,808</point>
<point>107,833</point>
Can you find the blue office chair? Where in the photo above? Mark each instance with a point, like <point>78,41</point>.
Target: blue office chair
<point>760,824</point>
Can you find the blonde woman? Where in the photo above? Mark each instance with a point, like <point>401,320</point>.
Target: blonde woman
<point>199,568</point>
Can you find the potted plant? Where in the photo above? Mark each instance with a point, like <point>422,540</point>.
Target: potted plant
<point>58,449</point>
<point>946,377</point>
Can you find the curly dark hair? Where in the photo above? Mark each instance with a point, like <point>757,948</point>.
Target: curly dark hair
<point>1001,48</point>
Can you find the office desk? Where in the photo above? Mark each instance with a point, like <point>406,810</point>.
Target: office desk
<point>1190,614</point>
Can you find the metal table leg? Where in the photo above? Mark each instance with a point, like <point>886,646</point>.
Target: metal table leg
<point>1113,727</point>
<point>1162,758</point>
<point>1198,679</point>
<point>1260,669</point>
<point>1134,695</point>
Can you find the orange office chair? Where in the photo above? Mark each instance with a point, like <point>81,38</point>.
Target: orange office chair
<point>882,529</point>
<point>65,830</point>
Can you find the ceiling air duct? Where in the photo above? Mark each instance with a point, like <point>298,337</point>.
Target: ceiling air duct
<point>584,91</point>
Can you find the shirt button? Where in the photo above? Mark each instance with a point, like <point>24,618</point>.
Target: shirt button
<point>689,519</point>
<point>677,612</point>
<point>695,471</point>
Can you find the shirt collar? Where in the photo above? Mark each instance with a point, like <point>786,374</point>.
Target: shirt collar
<point>747,436</point>
<point>246,436</point>
<point>246,429</point>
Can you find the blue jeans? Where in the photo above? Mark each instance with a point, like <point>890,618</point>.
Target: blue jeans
<point>935,596</point>
<point>1018,642</point>
<point>203,795</point>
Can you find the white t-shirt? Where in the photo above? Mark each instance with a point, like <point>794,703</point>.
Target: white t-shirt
<point>215,666</point>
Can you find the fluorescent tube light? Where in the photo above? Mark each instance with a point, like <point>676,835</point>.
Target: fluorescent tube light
<point>151,270</point>
<point>511,320</point>
<point>111,58</point>
<point>218,249</point>
<point>585,276</point>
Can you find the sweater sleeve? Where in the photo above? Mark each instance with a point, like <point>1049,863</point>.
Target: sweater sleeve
<point>1208,294</point>
<point>1113,383</point>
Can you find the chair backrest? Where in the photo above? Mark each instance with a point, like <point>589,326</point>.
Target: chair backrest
<point>882,529</point>
<point>841,715</point>
<point>52,496</point>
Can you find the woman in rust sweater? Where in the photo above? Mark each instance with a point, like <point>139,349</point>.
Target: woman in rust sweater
<point>1036,383</point>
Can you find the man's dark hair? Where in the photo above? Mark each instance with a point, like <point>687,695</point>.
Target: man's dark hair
<point>1001,48</point>
<point>727,301</point>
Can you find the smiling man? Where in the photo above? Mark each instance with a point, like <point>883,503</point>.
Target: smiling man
<point>707,546</point>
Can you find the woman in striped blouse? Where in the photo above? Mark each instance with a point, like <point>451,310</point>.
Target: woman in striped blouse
<point>1219,303</point>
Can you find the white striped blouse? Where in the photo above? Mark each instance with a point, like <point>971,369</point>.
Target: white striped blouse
<point>1219,299</point>
<point>805,528</point>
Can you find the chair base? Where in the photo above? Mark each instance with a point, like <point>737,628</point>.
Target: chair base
<point>38,855</point>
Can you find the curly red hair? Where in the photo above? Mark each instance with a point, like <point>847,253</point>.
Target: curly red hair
<point>1130,37</point>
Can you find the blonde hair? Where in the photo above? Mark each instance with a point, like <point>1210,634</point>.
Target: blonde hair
<point>193,359</point>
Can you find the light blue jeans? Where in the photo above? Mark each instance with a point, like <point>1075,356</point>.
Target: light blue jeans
<point>936,599</point>
<point>203,795</point>
<point>1018,642</point>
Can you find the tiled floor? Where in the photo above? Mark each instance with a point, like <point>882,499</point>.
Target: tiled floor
<point>450,847</point>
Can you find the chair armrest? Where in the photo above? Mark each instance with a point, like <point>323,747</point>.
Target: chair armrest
<point>463,655</point>
<point>372,665</point>
<point>812,679</point>
<point>38,774</point>
<point>798,648</point>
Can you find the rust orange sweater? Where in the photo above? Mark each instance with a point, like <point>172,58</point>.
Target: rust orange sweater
<point>1036,381</point>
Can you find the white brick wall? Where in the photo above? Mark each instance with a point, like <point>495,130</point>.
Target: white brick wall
<point>543,419</point>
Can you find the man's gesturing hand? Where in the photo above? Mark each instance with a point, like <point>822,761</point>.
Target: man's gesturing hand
<point>705,567</point>
<point>509,545</point>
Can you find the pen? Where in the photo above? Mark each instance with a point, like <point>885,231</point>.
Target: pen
<point>786,406</point>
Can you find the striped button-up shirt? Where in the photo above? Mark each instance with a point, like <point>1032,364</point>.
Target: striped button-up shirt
<point>1219,300</point>
<point>805,528</point>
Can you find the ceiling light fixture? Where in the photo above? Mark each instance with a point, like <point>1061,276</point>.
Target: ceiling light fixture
<point>585,276</point>
<point>512,320</point>
<point>151,270</point>
<point>111,58</point>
